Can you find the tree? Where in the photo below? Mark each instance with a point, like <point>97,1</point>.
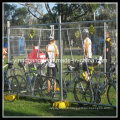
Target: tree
<point>8,12</point>
<point>35,9</point>
<point>68,12</point>
<point>20,16</point>
<point>107,11</point>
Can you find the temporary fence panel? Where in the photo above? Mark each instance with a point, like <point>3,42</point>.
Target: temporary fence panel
<point>69,38</point>
<point>73,39</point>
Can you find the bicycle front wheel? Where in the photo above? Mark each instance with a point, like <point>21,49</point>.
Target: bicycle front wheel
<point>13,87</point>
<point>82,91</point>
<point>40,86</point>
<point>22,83</point>
<point>111,95</point>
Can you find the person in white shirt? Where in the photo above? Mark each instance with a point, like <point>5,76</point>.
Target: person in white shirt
<point>87,47</point>
<point>51,54</point>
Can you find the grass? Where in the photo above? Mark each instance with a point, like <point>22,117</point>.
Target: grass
<point>43,108</point>
<point>37,107</point>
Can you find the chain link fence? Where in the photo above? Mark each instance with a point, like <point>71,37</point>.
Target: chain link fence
<point>21,43</point>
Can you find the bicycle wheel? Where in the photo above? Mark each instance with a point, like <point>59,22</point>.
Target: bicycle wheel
<point>96,91</point>
<point>22,83</point>
<point>13,87</point>
<point>111,94</point>
<point>39,86</point>
<point>99,80</point>
<point>82,91</point>
<point>68,88</point>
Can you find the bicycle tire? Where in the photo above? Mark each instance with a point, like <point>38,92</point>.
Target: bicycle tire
<point>67,78</point>
<point>22,83</point>
<point>99,79</point>
<point>38,85</point>
<point>82,91</point>
<point>41,88</point>
<point>111,94</point>
<point>13,87</point>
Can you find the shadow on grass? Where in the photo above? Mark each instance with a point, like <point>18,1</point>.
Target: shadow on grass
<point>8,113</point>
<point>75,109</point>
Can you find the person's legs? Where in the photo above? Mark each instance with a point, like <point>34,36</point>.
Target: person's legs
<point>48,74</point>
<point>48,86</point>
<point>53,70</point>
<point>54,75</point>
<point>85,70</point>
<point>108,65</point>
<point>86,75</point>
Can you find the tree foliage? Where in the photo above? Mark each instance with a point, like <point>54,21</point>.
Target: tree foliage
<point>69,12</point>
<point>20,16</point>
<point>9,10</point>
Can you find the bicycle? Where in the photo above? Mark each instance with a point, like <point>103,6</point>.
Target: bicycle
<point>80,84</point>
<point>27,80</point>
<point>10,83</point>
<point>41,83</point>
<point>105,83</point>
<point>33,80</point>
<point>96,86</point>
<point>83,90</point>
<point>13,71</point>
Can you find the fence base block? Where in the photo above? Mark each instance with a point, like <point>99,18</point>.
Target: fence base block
<point>61,104</point>
<point>11,97</point>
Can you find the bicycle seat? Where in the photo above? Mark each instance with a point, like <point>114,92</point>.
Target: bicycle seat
<point>70,68</point>
<point>21,64</point>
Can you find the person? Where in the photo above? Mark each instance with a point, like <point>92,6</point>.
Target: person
<point>51,55</point>
<point>87,47</point>
<point>108,51</point>
<point>4,52</point>
<point>71,42</point>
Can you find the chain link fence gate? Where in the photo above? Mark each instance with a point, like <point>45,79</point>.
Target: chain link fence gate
<point>71,40</point>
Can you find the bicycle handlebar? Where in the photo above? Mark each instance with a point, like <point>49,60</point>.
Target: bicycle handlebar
<point>10,64</point>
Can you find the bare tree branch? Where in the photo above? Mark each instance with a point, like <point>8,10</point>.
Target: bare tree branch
<point>31,6</point>
<point>33,14</point>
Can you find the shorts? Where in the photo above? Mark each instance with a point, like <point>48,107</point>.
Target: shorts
<point>51,71</point>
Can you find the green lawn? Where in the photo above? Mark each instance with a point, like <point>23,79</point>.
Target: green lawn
<point>43,108</point>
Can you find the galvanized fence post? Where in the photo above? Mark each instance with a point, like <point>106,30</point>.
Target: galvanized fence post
<point>8,38</point>
<point>105,47</point>
<point>39,47</point>
<point>60,61</point>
